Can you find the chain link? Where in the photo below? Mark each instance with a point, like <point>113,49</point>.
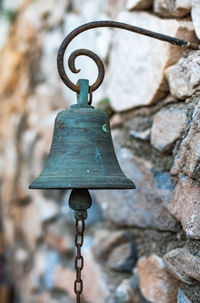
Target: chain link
<point>79,261</point>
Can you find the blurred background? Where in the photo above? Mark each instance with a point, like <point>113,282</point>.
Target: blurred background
<point>142,245</point>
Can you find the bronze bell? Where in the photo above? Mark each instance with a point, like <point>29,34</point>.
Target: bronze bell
<point>82,153</point>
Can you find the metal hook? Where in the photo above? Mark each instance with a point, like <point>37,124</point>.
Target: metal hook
<point>95,58</point>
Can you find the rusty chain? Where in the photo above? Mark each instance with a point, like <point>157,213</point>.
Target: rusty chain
<point>79,261</point>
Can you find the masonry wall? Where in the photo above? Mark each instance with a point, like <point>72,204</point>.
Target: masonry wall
<point>142,245</point>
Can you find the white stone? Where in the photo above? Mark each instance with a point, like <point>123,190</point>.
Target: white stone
<point>12,5</point>
<point>183,77</point>
<point>142,135</point>
<point>30,224</point>
<point>196,16</point>
<point>172,8</point>
<point>137,63</point>
<point>48,209</point>
<point>167,127</point>
<point>138,4</point>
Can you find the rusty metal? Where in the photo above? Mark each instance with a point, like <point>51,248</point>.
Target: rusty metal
<point>95,58</point>
<point>79,261</point>
<point>79,200</point>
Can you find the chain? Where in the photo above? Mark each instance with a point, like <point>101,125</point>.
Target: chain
<point>79,261</point>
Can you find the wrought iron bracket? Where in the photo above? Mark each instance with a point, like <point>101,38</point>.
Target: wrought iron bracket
<point>97,60</point>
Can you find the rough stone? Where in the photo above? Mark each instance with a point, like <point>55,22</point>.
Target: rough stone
<point>141,135</point>
<point>123,258</point>
<point>128,291</point>
<point>147,205</point>
<point>185,205</point>
<point>114,7</point>
<point>58,239</point>
<point>183,77</point>
<point>138,4</point>
<point>106,241</point>
<point>172,8</point>
<point>48,209</point>
<point>156,284</point>
<point>141,80</point>
<point>116,121</point>
<point>124,293</point>
<point>189,293</point>
<point>12,5</point>
<point>194,247</point>
<point>168,124</point>
<point>52,262</point>
<point>183,265</point>
<point>64,280</point>
<point>187,159</point>
<point>196,16</point>
<point>30,224</point>
<point>182,298</point>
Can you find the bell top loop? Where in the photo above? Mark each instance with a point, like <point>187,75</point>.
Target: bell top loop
<point>82,96</point>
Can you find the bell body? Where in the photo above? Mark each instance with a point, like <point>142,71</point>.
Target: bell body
<point>82,153</point>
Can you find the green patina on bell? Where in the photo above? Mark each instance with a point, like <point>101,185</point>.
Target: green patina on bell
<point>82,153</point>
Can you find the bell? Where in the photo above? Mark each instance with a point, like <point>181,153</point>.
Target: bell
<point>82,153</point>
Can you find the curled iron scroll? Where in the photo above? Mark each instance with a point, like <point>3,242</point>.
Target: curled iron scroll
<point>95,58</point>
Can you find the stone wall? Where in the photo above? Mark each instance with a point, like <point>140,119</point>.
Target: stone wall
<point>140,246</point>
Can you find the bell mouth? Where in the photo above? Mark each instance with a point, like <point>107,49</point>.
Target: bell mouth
<point>101,182</point>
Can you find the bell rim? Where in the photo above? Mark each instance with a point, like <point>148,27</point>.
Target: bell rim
<point>107,182</point>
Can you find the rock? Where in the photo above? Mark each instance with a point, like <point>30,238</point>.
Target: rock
<point>128,291</point>
<point>106,241</point>
<point>187,159</point>
<point>182,298</point>
<point>188,293</point>
<point>183,265</point>
<point>172,8</point>
<point>52,261</point>
<point>138,4</point>
<point>58,239</point>
<point>156,284</point>
<point>114,7</point>
<point>195,16</point>
<point>30,224</point>
<point>194,247</point>
<point>123,258</point>
<point>141,135</point>
<point>140,80</point>
<point>145,207</point>
<point>48,209</point>
<point>21,255</point>
<point>183,77</point>
<point>63,279</point>
<point>12,5</point>
<point>168,124</point>
<point>38,270</point>
<point>124,293</point>
<point>185,206</point>
<point>116,121</point>
<point>165,186</point>
<point>5,29</point>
